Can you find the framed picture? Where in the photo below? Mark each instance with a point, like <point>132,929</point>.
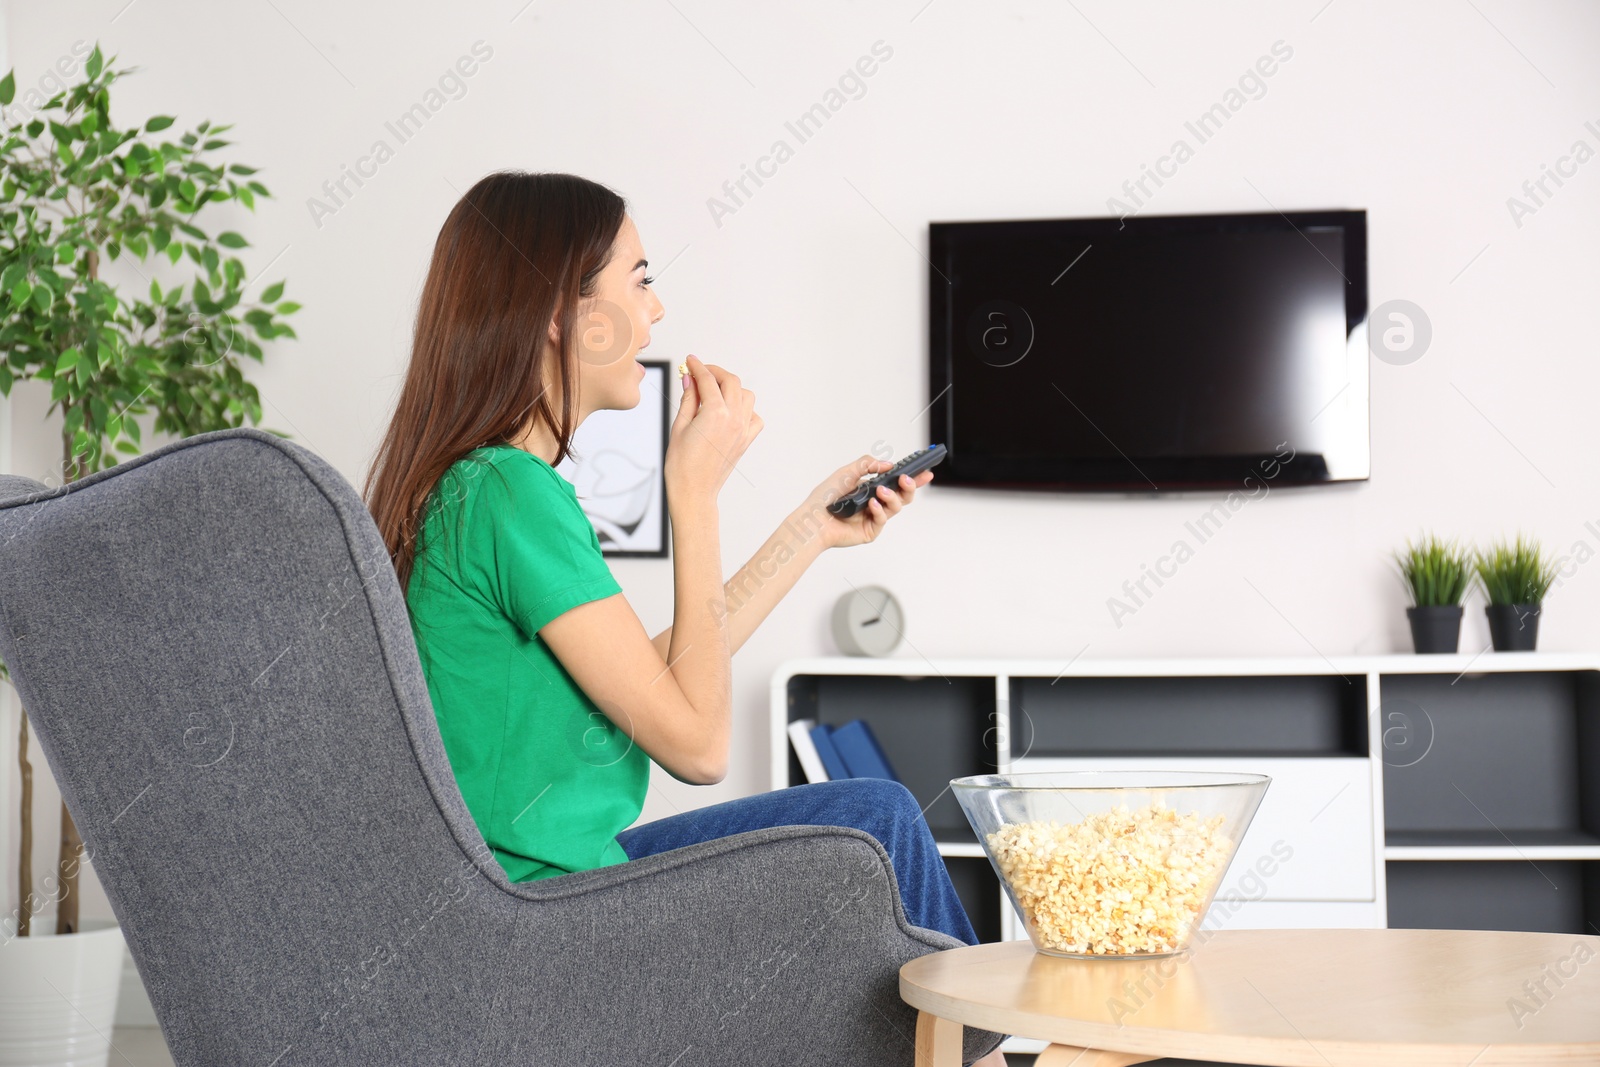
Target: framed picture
<point>621,480</point>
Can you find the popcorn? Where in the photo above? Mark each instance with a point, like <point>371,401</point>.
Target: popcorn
<point>1117,883</point>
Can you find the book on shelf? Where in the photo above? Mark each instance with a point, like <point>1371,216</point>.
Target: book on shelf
<point>848,751</point>
<point>832,765</point>
<point>806,750</point>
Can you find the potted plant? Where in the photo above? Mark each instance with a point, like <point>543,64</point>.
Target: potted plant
<point>76,192</point>
<point>1516,579</point>
<point>1437,575</point>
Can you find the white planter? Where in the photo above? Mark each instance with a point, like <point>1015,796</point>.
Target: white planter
<point>58,996</point>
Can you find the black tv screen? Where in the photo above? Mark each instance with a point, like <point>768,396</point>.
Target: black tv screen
<point>1150,353</point>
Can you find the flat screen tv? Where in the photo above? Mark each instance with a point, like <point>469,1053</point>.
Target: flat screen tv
<point>1151,353</point>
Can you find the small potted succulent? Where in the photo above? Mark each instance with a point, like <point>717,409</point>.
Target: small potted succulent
<point>1516,579</point>
<point>1437,575</point>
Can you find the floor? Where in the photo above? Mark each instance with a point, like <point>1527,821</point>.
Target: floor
<point>139,1046</point>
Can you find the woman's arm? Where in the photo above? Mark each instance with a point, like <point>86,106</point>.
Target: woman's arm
<point>677,706</point>
<point>756,588</point>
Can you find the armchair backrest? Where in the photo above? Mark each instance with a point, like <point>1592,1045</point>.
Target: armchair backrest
<point>214,654</point>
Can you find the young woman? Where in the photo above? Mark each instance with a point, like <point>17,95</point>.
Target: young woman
<point>550,696</point>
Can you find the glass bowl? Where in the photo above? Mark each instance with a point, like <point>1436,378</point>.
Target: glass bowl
<point>1110,864</point>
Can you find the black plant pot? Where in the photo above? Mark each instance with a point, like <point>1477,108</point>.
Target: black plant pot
<point>1513,627</point>
<point>1435,627</point>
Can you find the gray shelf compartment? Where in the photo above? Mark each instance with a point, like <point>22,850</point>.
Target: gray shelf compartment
<point>1262,715</point>
<point>1508,755</point>
<point>980,893</point>
<point>1547,896</point>
<point>932,729</point>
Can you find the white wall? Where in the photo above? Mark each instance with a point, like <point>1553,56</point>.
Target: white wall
<point>1428,114</point>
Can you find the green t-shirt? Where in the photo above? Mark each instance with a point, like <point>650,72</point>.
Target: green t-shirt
<point>548,778</point>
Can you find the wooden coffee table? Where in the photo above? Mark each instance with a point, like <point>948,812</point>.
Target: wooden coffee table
<point>1295,998</point>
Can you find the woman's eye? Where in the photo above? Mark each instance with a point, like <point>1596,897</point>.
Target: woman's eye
<point>648,281</point>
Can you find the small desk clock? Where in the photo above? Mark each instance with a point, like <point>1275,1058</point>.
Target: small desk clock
<point>868,622</point>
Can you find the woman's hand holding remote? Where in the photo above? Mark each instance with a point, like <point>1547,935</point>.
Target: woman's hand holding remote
<point>716,422</point>
<point>865,525</point>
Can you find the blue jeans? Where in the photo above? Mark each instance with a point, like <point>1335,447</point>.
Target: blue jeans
<point>883,808</point>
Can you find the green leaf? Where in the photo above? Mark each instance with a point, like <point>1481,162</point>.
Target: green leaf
<point>229,239</point>
<point>214,144</point>
<point>68,359</point>
<point>187,190</point>
<point>93,66</point>
<point>42,297</point>
<point>271,294</point>
<point>127,447</point>
<point>240,168</point>
<point>159,122</point>
<point>8,87</point>
<point>20,292</point>
<point>288,307</point>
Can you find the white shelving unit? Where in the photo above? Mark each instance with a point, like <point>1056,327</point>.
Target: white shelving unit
<point>1424,791</point>
<point>1516,735</point>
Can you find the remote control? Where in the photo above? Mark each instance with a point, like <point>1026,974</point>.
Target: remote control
<point>913,465</point>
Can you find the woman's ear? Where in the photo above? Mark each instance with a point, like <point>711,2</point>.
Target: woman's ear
<point>554,332</point>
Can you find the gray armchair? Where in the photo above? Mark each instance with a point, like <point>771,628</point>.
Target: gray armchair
<point>216,659</point>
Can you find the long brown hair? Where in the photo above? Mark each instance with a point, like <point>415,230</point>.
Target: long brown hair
<point>517,251</point>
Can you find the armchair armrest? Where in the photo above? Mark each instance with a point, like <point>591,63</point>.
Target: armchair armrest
<point>779,945</point>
